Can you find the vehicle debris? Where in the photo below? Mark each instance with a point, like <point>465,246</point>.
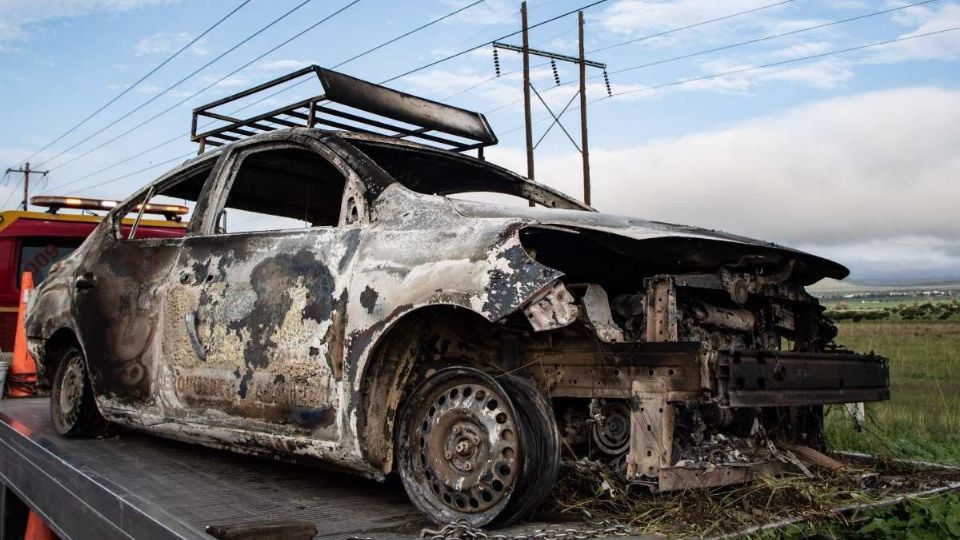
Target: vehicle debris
<point>391,326</point>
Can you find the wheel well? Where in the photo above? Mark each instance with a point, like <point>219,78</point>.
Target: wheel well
<point>53,351</point>
<point>421,341</point>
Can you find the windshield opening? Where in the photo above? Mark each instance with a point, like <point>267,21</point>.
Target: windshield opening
<point>435,172</point>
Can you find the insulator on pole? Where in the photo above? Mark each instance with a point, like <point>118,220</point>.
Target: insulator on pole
<point>496,61</point>
<point>606,81</point>
<point>556,75</point>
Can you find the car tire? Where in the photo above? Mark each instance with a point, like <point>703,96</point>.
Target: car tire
<point>474,448</point>
<point>73,409</point>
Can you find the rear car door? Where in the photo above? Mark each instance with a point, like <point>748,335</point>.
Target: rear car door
<point>257,341</point>
<point>119,286</point>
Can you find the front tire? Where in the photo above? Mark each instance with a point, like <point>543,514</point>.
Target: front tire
<point>72,407</point>
<point>475,448</point>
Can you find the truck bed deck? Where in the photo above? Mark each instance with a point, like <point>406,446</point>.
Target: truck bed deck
<point>134,485</point>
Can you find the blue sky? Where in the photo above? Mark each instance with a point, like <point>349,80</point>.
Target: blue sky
<point>852,155</point>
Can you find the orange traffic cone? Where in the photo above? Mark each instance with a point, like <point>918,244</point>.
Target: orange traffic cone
<point>22,379</point>
<point>37,529</point>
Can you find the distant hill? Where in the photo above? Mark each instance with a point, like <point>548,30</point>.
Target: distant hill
<point>829,286</point>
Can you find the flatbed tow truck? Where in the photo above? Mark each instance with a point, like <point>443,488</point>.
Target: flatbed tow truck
<point>133,485</point>
<point>139,486</point>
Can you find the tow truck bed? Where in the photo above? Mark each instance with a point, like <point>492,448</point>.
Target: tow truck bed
<point>144,487</point>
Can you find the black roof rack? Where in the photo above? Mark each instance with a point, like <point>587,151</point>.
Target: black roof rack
<point>350,104</point>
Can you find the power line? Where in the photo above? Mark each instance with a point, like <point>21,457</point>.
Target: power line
<point>140,80</point>
<point>12,193</point>
<point>636,40</point>
<point>734,45</point>
<point>211,85</point>
<point>689,26</point>
<point>184,79</point>
<point>414,31</point>
<point>485,43</point>
<point>681,82</point>
<point>781,62</point>
<point>344,62</point>
<point>773,36</point>
<point>127,175</point>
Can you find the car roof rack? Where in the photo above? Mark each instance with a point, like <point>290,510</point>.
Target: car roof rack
<point>349,104</point>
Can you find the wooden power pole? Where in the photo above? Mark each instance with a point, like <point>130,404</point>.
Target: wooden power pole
<point>584,149</point>
<point>26,170</point>
<point>525,50</point>
<point>528,121</point>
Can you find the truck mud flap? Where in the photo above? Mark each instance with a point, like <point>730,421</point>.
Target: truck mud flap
<point>780,378</point>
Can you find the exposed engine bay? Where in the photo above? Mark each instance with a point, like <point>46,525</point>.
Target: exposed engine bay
<point>694,379</point>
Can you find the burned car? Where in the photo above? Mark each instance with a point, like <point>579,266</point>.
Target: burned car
<point>390,326</point>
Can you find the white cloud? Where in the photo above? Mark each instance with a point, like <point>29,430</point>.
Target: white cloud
<point>166,43</point>
<point>16,16</point>
<point>845,171</point>
<point>638,18</point>
<point>944,46</point>
<point>825,74</point>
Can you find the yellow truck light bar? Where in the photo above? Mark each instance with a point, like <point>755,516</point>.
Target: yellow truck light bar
<point>54,203</point>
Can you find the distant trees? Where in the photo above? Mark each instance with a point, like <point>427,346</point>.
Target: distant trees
<point>941,311</point>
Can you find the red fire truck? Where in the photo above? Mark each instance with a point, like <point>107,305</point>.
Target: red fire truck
<point>33,241</point>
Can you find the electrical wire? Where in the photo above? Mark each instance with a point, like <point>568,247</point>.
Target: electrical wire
<point>485,43</point>
<point>636,40</point>
<point>772,36</point>
<point>127,175</point>
<point>730,46</point>
<point>273,94</point>
<point>211,85</point>
<point>781,62</point>
<point>181,81</point>
<point>681,82</point>
<point>413,31</point>
<point>689,26</point>
<point>140,80</point>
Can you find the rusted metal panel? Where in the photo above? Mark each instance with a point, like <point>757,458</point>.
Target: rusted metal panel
<point>781,378</point>
<point>651,438</point>
<point>680,478</point>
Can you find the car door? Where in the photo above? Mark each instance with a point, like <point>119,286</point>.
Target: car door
<point>257,340</point>
<point>118,287</point>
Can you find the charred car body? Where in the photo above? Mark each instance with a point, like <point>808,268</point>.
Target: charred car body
<point>459,344</point>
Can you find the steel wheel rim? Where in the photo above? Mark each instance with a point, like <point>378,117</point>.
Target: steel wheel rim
<point>71,391</point>
<point>464,447</point>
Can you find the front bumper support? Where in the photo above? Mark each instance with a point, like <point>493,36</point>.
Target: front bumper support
<point>781,378</point>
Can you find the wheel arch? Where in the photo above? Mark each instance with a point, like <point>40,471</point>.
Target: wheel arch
<point>52,352</point>
<point>421,340</point>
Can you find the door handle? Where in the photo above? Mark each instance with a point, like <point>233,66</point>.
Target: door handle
<point>191,322</point>
<point>85,281</point>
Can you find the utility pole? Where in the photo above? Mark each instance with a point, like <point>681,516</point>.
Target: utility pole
<point>528,121</point>
<point>584,149</point>
<point>582,63</point>
<point>26,170</point>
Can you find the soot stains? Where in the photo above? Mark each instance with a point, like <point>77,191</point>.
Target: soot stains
<point>368,299</point>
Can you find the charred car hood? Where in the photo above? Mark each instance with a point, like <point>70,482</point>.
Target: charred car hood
<point>691,245</point>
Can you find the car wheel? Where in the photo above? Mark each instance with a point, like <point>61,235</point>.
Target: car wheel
<point>476,448</point>
<point>72,407</point>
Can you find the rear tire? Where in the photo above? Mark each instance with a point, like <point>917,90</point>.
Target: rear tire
<point>72,407</point>
<point>476,448</point>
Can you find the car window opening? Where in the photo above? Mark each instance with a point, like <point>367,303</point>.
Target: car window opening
<point>440,173</point>
<point>283,189</point>
<point>183,190</point>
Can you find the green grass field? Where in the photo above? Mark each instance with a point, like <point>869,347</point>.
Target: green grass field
<point>922,419</point>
